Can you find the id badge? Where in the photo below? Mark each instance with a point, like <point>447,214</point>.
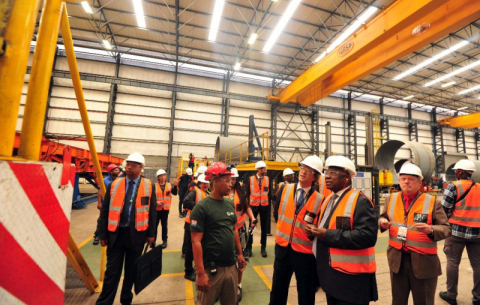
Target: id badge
<point>309,217</point>
<point>402,232</point>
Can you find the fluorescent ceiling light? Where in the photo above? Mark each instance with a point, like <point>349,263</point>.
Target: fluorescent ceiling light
<point>432,60</point>
<point>252,39</point>
<point>456,72</point>
<point>86,7</point>
<point>462,108</point>
<point>448,84</point>
<point>409,97</point>
<point>281,25</point>
<point>217,15</point>
<point>349,31</point>
<point>107,44</point>
<point>237,66</point>
<point>469,90</point>
<point>137,5</point>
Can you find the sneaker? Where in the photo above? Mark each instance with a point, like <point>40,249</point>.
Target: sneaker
<point>239,294</point>
<point>164,245</point>
<point>96,240</point>
<point>444,296</point>
<point>264,252</point>
<point>191,276</point>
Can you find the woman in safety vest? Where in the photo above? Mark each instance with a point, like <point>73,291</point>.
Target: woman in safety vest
<point>164,190</point>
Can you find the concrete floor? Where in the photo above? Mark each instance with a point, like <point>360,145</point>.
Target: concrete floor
<point>172,288</point>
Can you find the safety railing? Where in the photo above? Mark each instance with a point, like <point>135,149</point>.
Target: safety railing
<point>13,66</point>
<point>230,157</point>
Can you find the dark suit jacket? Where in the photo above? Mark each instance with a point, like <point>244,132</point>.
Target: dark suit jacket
<point>357,289</point>
<point>136,236</point>
<point>424,266</point>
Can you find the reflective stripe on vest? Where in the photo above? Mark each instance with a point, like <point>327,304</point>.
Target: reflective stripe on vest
<point>291,227</point>
<point>349,261</point>
<point>117,196</point>
<point>416,241</point>
<point>467,211</point>
<point>257,194</point>
<point>199,195</point>
<point>165,197</point>
<point>240,214</point>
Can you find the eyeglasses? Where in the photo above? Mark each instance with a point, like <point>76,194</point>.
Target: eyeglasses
<point>307,170</point>
<point>333,173</point>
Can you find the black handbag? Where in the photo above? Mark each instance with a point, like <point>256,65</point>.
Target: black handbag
<point>148,268</point>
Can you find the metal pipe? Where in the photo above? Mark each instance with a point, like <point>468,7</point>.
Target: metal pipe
<point>13,65</point>
<point>328,140</point>
<point>36,103</point>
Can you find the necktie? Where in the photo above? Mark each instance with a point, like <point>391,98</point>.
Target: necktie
<point>300,200</point>
<point>328,210</point>
<point>124,218</point>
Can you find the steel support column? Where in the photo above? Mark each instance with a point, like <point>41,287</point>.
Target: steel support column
<point>222,115</point>
<point>50,89</point>
<point>107,141</point>
<point>174,92</point>
<point>477,144</point>
<point>352,131</point>
<point>384,130</point>
<point>315,131</point>
<point>437,142</point>
<point>412,126</point>
<point>226,120</point>
<point>273,130</point>
<point>460,139</point>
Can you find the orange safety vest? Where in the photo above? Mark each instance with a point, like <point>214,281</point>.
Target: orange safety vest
<point>165,197</point>
<point>291,226</point>
<point>258,194</point>
<point>117,196</point>
<point>240,213</point>
<point>322,187</point>
<point>467,211</point>
<point>199,195</point>
<point>343,260</point>
<point>416,241</point>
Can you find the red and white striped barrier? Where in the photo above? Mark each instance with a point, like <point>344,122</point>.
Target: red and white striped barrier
<point>34,224</point>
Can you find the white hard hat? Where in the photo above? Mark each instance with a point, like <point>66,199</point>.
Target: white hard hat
<point>234,171</point>
<point>342,162</point>
<point>260,164</point>
<point>466,165</point>
<point>202,169</point>
<point>288,171</point>
<point>136,157</point>
<point>314,162</point>
<point>411,169</point>
<point>161,172</point>
<point>201,179</point>
<point>189,171</point>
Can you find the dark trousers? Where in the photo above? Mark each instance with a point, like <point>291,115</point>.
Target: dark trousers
<point>97,229</point>
<point>423,291</point>
<point>263,211</point>
<point>188,252</point>
<point>333,301</point>
<point>305,272</point>
<point>454,247</point>
<point>181,196</point>
<point>122,249</point>
<point>162,217</point>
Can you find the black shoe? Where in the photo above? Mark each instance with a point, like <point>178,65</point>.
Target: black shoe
<point>444,296</point>
<point>181,216</point>
<point>239,295</point>
<point>96,240</point>
<point>264,252</point>
<point>164,245</point>
<point>191,276</point>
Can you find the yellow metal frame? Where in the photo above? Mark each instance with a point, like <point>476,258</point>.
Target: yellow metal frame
<point>226,156</point>
<point>12,70</point>
<point>271,165</point>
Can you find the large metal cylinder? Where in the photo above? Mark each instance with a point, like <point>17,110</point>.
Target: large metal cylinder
<point>229,148</point>
<point>423,157</point>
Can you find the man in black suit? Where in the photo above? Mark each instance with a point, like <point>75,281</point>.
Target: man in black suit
<point>128,220</point>
<point>345,239</point>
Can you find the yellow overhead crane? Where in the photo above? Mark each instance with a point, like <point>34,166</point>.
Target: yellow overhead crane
<point>402,28</point>
<point>463,121</point>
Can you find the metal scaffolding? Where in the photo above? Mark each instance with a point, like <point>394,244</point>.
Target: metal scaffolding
<point>351,131</point>
<point>460,140</point>
<point>438,148</point>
